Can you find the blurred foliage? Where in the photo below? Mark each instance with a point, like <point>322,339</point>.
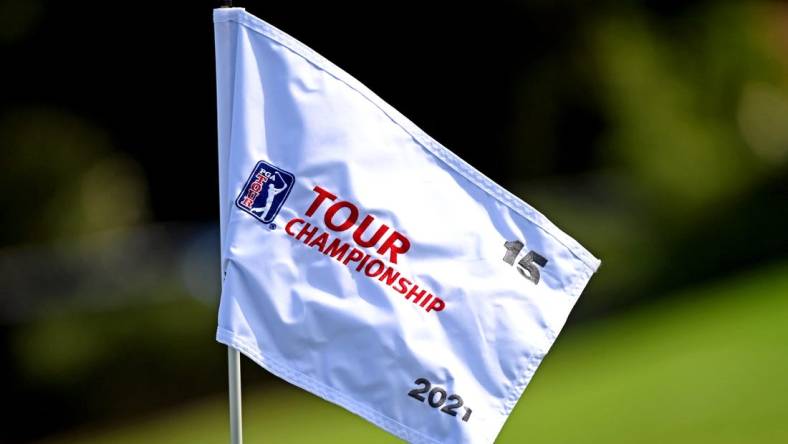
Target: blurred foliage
<point>673,97</point>
<point>694,123</point>
<point>114,363</point>
<point>59,164</point>
<point>64,348</point>
<point>17,18</point>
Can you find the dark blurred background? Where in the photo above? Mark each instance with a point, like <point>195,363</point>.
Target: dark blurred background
<point>655,132</point>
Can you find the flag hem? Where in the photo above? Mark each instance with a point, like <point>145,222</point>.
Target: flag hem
<point>521,383</point>
<point>432,146</point>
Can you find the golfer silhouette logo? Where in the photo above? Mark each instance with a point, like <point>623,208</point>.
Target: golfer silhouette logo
<point>265,191</point>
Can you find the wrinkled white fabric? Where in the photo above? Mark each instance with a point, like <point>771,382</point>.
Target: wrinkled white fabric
<point>295,130</point>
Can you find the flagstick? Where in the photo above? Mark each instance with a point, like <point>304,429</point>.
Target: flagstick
<point>234,366</point>
<point>234,376</point>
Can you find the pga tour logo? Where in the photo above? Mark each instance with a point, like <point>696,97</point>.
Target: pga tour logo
<point>265,191</point>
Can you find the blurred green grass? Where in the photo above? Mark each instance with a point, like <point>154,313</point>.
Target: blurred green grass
<point>707,365</point>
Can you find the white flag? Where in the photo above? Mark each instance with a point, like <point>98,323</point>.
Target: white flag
<point>365,262</point>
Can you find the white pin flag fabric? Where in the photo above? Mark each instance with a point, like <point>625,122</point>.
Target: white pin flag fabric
<point>365,262</point>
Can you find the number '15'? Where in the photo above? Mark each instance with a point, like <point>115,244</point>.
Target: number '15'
<point>529,265</point>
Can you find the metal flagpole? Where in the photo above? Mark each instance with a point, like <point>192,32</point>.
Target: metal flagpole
<point>234,376</point>
<point>234,367</point>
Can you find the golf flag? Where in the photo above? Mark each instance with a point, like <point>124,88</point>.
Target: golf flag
<point>366,263</point>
